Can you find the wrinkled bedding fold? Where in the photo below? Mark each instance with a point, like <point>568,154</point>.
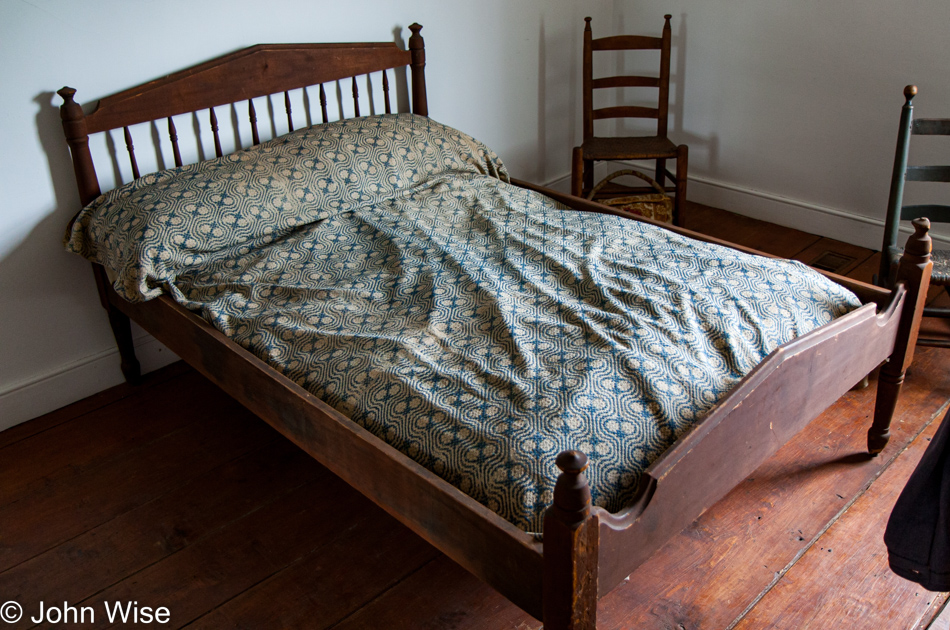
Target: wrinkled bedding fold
<point>386,265</point>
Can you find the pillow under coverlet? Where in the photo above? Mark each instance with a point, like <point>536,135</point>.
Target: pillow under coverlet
<point>153,228</point>
<point>477,327</point>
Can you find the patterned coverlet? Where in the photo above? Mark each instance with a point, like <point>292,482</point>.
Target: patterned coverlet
<point>385,264</point>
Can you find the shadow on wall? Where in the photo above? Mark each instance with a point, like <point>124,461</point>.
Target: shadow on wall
<point>703,149</point>
<point>58,346</point>
<point>49,308</point>
<point>698,145</point>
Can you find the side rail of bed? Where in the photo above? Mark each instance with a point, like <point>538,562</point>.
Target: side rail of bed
<point>588,551</point>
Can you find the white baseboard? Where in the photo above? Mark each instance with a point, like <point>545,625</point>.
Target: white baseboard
<point>758,204</point>
<point>57,388</point>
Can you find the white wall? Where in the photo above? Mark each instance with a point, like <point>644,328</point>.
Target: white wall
<point>497,69</point>
<point>790,110</point>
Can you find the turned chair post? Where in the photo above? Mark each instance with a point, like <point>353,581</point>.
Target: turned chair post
<point>914,273</point>
<point>571,539</point>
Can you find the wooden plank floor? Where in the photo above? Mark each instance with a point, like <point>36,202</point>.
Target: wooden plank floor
<point>170,494</point>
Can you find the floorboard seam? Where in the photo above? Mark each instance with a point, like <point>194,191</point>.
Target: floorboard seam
<point>140,506</point>
<point>196,541</point>
<point>781,574</point>
<point>383,592</point>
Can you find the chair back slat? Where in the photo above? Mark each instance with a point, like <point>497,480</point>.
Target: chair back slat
<point>902,173</point>
<point>627,42</point>
<point>252,117</point>
<point>386,92</point>
<point>356,99</point>
<point>173,136</point>
<point>621,43</point>
<point>937,213</point>
<point>288,108</point>
<point>931,127</point>
<point>927,174</point>
<point>214,131</point>
<point>131,149</point>
<point>626,112</point>
<point>621,82</point>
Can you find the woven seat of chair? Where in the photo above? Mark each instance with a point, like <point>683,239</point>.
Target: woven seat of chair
<point>648,147</point>
<point>941,271</point>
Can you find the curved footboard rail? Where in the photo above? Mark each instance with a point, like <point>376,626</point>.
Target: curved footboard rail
<point>791,387</point>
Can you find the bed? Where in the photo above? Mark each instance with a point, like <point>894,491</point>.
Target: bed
<point>556,561</point>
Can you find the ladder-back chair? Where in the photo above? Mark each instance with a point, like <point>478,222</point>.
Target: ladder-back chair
<point>897,212</point>
<point>657,147</point>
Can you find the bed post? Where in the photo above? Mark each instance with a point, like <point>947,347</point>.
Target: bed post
<point>570,550</point>
<point>77,137</point>
<point>417,49</point>
<point>914,273</point>
<point>74,124</point>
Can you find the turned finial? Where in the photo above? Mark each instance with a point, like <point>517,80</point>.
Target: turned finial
<point>587,24</point>
<point>415,40</point>
<point>67,92</point>
<point>910,92</point>
<point>667,17</point>
<point>571,492</point>
<point>70,109</point>
<point>919,244</point>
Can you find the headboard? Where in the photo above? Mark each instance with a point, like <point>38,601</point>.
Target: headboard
<point>258,71</point>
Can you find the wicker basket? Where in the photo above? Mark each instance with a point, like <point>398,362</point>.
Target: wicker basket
<point>658,206</point>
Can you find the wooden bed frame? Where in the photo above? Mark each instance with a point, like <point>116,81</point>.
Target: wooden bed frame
<point>586,551</point>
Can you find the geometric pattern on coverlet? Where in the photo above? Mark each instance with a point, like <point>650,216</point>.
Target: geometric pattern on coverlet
<point>477,327</point>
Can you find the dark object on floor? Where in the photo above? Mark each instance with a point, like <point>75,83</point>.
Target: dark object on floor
<point>896,212</point>
<point>918,532</point>
<point>657,147</point>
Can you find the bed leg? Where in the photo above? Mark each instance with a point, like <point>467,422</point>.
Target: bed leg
<point>121,330</point>
<point>570,550</point>
<point>914,274</point>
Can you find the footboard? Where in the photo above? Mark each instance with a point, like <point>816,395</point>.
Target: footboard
<point>589,551</point>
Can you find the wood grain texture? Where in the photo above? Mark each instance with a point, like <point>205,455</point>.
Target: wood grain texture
<point>74,499</point>
<point>773,239</point>
<point>150,533</point>
<point>942,622</point>
<point>812,253</point>
<point>844,581</point>
<point>707,576</point>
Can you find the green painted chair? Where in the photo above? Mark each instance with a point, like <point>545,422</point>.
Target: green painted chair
<point>897,212</point>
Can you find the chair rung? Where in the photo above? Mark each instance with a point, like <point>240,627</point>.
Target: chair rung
<point>627,42</point>
<point>927,174</point>
<point>619,82</point>
<point>936,213</point>
<point>626,112</point>
<point>931,127</point>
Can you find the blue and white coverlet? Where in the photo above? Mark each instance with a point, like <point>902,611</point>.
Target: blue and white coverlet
<point>385,264</point>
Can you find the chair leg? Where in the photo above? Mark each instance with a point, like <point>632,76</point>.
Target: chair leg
<point>577,172</point>
<point>682,164</point>
<point>588,176</point>
<point>661,172</point>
